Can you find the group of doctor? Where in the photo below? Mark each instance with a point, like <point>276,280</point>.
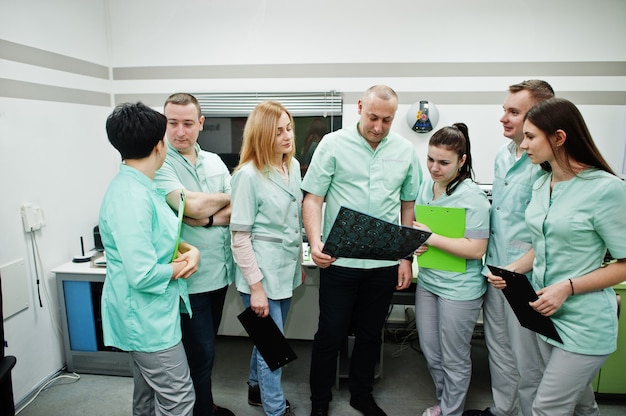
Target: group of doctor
<point>556,210</point>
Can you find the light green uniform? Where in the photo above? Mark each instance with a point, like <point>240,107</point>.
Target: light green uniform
<point>209,175</point>
<point>571,231</point>
<point>269,208</point>
<point>140,301</point>
<point>509,238</point>
<point>470,284</point>
<point>514,360</point>
<point>348,172</point>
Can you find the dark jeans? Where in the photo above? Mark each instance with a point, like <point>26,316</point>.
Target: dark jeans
<point>199,334</point>
<point>360,296</point>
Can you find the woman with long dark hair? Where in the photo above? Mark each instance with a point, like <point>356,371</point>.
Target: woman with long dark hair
<point>145,289</point>
<point>575,215</point>
<point>447,303</point>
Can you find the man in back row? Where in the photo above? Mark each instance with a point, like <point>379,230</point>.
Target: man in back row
<point>514,360</point>
<point>205,180</point>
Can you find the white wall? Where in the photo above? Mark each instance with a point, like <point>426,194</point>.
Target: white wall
<point>70,27</point>
<point>447,31</point>
<point>282,31</point>
<point>55,154</point>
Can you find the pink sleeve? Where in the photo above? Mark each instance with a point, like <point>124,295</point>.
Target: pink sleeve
<point>243,253</point>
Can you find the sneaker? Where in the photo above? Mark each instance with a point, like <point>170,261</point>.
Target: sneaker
<point>288,411</point>
<point>367,406</point>
<point>476,412</point>
<point>254,395</point>
<point>221,411</point>
<point>432,411</point>
<point>319,409</point>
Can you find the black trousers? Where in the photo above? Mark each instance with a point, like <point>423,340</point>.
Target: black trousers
<point>361,297</point>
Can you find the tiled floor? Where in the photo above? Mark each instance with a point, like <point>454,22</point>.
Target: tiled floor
<point>405,388</point>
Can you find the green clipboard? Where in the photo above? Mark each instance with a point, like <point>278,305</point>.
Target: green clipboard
<point>184,305</point>
<point>181,213</point>
<point>446,221</point>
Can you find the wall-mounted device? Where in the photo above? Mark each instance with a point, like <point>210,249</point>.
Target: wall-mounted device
<point>32,217</point>
<point>422,116</point>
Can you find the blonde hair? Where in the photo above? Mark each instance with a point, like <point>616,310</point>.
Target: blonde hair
<point>259,135</point>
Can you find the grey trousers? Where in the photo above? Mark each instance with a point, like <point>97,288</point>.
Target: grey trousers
<point>565,388</point>
<point>162,383</point>
<point>515,362</point>
<point>445,329</point>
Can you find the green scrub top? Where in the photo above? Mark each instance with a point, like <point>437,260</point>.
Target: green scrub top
<point>140,301</point>
<point>210,175</point>
<point>513,180</point>
<point>470,284</point>
<point>348,172</point>
<point>269,208</point>
<point>571,231</point>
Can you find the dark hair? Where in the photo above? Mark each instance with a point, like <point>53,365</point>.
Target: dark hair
<point>539,90</point>
<point>560,114</point>
<point>134,129</point>
<point>455,138</point>
<point>183,98</point>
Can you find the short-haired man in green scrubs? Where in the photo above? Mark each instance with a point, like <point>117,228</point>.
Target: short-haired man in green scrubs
<point>513,351</point>
<point>205,180</point>
<point>368,168</point>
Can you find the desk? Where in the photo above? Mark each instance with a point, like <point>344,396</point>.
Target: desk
<point>80,287</point>
<point>303,315</point>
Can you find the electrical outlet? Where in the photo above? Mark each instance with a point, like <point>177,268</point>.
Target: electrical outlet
<point>32,217</point>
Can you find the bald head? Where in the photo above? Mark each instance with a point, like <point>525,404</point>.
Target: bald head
<point>377,110</point>
<point>381,92</point>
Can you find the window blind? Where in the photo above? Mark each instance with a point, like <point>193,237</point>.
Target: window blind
<point>299,104</point>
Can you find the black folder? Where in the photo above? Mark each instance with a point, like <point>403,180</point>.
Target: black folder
<point>519,292</point>
<point>358,235</point>
<point>268,339</point>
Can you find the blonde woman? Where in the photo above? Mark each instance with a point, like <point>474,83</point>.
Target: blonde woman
<point>266,226</point>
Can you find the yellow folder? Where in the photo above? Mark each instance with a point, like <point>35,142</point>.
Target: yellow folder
<point>446,221</point>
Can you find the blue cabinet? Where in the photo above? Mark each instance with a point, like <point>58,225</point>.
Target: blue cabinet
<point>80,287</point>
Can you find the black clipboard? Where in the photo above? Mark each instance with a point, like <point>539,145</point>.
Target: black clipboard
<point>518,293</point>
<point>268,339</point>
<point>361,236</point>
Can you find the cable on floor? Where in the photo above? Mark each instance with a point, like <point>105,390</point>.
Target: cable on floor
<point>405,342</point>
<point>75,377</point>
<point>403,336</point>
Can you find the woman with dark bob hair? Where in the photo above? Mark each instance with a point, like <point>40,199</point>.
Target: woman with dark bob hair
<point>145,287</point>
<point>575,215</point>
